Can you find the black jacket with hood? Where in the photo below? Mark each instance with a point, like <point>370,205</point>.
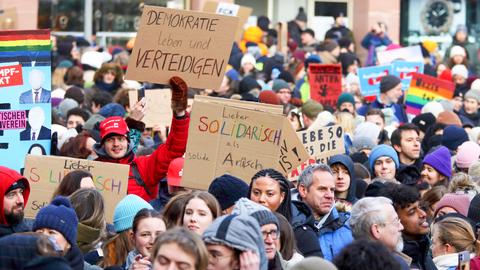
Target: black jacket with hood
<point>346,161</point>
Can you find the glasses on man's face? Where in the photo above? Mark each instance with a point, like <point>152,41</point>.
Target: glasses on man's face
<point>274,234</point>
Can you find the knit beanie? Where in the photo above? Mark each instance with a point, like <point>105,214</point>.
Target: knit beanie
<point>312,59</point>
<point>248,58</point>
<point>433,107</point>
<point>345,97</point>
<point>430,45</point>
<point>313,263</point>
<point>440,160</point>
<point>453,137</point>
<point>457,50</point>
<point>228,189</point>
<point>367,129</point>
<point>65,106</point>
<point>311,108</point>
<point>459,202</point>
<point>473,94</point>
<point>280,84</point>
<point>388,83</point>
<point>301,16</point>
<point>126,210</point>
<point>265,217</point>
<point>474,209</point>
<point>112,109</point>
<point>246,206</point>
<point>60,216</point>
<point>460,70</point>
<point>475,85</point>
<point>383,150</point>
<point>449,118</point>
<point>468,152</point>
<point>253,34</point>
<point>424,121</point>
<point>362,142</point>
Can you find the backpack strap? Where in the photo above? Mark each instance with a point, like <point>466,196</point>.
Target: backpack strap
<point>138,178</point>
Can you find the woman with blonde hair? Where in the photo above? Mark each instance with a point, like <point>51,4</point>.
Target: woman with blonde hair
<point>450,236</point>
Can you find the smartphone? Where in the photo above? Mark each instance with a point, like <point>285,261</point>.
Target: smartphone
<point>464,260</point>
<point>141,93</point>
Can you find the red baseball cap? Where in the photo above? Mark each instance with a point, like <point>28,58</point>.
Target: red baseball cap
<point>113,125</point>
<point>175,172</point>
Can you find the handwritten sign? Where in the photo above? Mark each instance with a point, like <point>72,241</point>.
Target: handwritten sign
<point>325,83</point>
<point>11,75</point>
<point>411,54</point>
<point>158,109</point>
<point>242,12</point>
<point>320,144</point>
<point>405,70</point>
<point>239,138</point>
<point>192,45</point>
<point>45,173</point>
<point>370,78</point>
<point>423,89</point>
<point>13,119</point>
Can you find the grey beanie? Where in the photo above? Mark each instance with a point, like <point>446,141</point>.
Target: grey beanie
<point>313,263</point>
<point>388,83</point>
<point>363,142</point>
<point>240,232</point>
<point>265,217</point>
<point>246,206</point>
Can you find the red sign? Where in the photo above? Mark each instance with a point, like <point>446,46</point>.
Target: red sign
<point>325,83</point>
<point>11,75</point>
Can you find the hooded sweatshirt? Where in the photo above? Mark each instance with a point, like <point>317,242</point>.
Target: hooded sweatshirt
<point>348,163</point>
<point>7,178</point>
<point>241,232</point>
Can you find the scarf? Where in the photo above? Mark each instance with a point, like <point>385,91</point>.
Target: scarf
<point>86,237</point>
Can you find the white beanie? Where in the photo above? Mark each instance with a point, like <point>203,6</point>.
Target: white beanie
<point>460,70</point>
<point>367,129</point>
<point>248,58</point>
<point>433,107</point>
<point>475,85</point>
<point>457,50</point>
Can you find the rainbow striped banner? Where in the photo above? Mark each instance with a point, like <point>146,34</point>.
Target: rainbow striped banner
<point>25,46</point>
<point>423,89</point>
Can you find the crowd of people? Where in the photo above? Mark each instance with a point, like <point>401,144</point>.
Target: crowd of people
<point>404,195</point>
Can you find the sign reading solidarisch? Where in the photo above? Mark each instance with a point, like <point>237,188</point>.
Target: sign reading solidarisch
<point>423,89</point>
<point>325,83</point>
<point>44,173</point>
<point>238,138</point>
<point>370,78</point>
<point>192,45</point>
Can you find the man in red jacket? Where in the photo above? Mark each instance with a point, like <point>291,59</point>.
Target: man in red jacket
<point>146,171</point>
<point>15,190</point>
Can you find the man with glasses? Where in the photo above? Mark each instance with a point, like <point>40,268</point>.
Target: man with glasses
<point>15,190</point>
<point>374,218</point>
<point>316,187</point>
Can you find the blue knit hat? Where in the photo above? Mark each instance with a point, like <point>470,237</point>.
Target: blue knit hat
<point>126,210</point>
<point>453,137</point>
<point>60,216</point>
<point>440,160</point>
<point>383,150</point>
<point>112,109</point>
<point>345,97</point>
<point>227,189</point>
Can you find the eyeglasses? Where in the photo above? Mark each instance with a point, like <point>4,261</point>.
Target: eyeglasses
<point>214,258</point>
<point>274,234</point>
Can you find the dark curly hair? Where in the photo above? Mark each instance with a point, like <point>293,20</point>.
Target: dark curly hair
<point>401,195</point>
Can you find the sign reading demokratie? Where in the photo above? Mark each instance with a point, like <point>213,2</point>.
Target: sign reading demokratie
<point>192,45</point>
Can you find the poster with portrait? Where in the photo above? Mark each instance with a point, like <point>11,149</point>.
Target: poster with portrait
<point>25,88</point>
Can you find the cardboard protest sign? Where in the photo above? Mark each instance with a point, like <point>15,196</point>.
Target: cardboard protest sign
<point>25,87</point>
<point>405,70</point>
<point>423,89</point>
<point>230,10</point>
<point>193,45</point>
<point>411,54</point>
<point>44,173</point>
<point>282,36</point>
<point>158,109</point>
<point>370,78</point>
<point>8,18</point>
<point>320,144</point>
<point>325,83</point>
<point>226,137</point>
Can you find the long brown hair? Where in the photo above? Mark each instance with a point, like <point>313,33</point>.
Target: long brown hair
<point>458,233</point>
<point>76,147</point>
<point>98,77</point>
<point>116,249</point>
<point>71,183</point>
<point>172,212</point>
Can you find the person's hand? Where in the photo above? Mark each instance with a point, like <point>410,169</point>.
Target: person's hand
<point>179,95</point>
<point>249,260</point>
<point>140,263</point>
<point>162,132</point>
<point>138,111</point>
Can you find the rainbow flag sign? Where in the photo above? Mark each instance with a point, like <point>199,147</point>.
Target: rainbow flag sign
<point>424,88</point>
<point>25,93</point>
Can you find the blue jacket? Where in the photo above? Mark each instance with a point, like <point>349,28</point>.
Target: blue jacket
<point>399,110</point>
<point>335,234</point>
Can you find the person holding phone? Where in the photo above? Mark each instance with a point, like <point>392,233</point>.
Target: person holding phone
<point>375,38</point>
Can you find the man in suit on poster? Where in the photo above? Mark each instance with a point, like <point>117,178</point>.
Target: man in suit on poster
<point>37,94</point>
<point>35,129</point>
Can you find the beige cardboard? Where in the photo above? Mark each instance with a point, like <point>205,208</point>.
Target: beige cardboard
<point>320,144</point>
<point>44,174</point>
<point>8,18</point>
<point>158,108</point>
<point>219,142</point>
<point>171,42</point>
<point>282,36</point>
<point>229,9</point>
